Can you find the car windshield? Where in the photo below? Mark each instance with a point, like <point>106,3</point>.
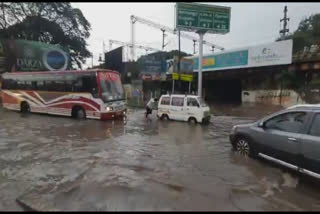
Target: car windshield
<point>202,102</point>
<point>111,88</point>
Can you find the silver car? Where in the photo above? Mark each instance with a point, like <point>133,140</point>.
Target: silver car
<point>290,137</point>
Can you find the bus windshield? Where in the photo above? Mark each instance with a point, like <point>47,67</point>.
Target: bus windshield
<point>111,87</point>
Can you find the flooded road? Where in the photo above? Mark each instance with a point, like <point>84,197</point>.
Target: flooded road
<point>57,163</point>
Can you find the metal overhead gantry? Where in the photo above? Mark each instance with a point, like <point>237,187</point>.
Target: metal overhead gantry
<point>128,44</point>
<point>163,28</point>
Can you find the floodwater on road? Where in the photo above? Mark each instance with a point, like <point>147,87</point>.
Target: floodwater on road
<point>58,163</point>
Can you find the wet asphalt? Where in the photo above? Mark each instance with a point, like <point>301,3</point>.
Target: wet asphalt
<point>59,163</point>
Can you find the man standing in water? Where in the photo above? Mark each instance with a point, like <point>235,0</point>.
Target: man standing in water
<point>152,104</point>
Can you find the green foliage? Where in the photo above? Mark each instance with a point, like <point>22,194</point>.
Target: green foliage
<point>165,55</point>
<point>293,80</point>
<point>307,34</point>
<point>49,22</point>
<point>171,54</point>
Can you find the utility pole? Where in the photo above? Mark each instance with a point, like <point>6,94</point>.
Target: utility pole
<point>285,22</point>
<point>163,35</point>
<point>133,20</point>
<point>179,84</point>
<point>200,63</point>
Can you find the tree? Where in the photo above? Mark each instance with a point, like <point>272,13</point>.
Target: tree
<point>165,55</point>
<point>307,34</point>
<point>49,22</point>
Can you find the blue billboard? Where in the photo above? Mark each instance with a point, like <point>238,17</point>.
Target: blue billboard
<point>153,68</point>
<point>224,60</point>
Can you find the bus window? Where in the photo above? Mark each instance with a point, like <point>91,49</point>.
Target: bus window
<point>59,85</point>
<point>68,85</point>
<point>50,85</point>
<point>40,85</point>
<point>77,85</point>
<point>90,85</point>
<point>27,85</point>
<point>34,85</point>
<point>55,85</point>
<point>20,84</point>
<point>10,84</point>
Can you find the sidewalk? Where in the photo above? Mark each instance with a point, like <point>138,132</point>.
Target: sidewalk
<point>244,110</point>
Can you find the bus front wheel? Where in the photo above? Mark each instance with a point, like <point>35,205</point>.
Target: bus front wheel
<point>79,113</point>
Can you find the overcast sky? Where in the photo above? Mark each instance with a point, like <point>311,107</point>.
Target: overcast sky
<point>251,24</point>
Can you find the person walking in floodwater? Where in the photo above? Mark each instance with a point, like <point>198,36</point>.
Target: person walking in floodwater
<point>152,104</point>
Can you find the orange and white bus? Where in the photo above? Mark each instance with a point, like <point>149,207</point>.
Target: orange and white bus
<point>96,94</point>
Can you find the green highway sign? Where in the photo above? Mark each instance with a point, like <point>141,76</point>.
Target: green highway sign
<point>195,17</point>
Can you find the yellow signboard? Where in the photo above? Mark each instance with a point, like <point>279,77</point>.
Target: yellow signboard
<point>183,77</point>
<point>175,76</point>
<point>186,77</point>
<point>186,70</point>
<point>208,62</point>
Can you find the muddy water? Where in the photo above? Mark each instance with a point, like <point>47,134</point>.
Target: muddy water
<point>57,163</point>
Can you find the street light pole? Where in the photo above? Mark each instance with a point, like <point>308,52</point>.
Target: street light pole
<point>179,83</point>
<point>200,63</point>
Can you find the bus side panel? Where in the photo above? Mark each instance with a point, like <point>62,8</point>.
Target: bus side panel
<point>63,104</point>
<point>10,100</point>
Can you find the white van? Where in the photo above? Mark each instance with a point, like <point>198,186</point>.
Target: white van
<point>189,108</point>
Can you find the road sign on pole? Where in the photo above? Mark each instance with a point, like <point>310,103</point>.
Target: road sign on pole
<point>194,17</point>
<point>202,18</point>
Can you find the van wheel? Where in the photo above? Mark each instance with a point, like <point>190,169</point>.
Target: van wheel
<point>192,120</point>
<point>164,117</point>
<point>25,108</point>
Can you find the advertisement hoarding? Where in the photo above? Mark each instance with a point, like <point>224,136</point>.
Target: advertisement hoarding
<point>152,68</point>
<point>224,60</point>
<point>276,53</point>
<point>114,60</point>
<point>25,55</point>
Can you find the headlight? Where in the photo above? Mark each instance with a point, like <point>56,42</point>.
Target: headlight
<point>109,108</point>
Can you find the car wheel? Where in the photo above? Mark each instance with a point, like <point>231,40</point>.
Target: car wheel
<point>243,147</point>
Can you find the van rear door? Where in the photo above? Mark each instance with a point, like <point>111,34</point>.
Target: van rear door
<point>164,106</point>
